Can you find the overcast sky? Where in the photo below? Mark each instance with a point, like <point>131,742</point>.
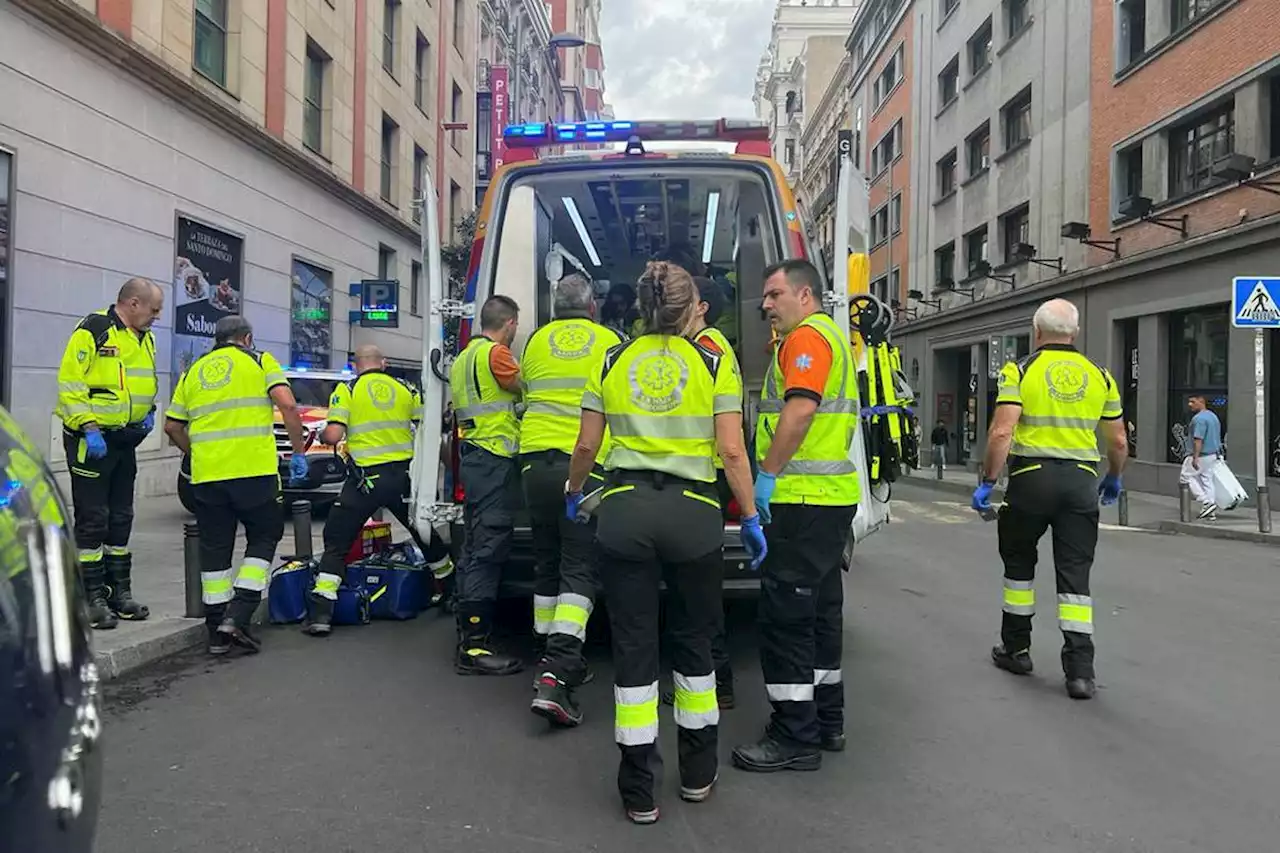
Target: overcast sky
<point>683,59</point>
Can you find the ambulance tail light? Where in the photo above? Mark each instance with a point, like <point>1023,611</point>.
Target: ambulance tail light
<point>747,133</point>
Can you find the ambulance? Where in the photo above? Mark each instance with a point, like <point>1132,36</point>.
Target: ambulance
<point>553,209</point>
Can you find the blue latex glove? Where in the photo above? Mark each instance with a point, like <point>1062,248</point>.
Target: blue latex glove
<point>298,468</point>
<point>982,497</point>
<point>753,540</point>
<point>765,484</point>
<point>149,422</point>
<point>1109,489</point>
<point>572,507</point>
<point>95,444</point>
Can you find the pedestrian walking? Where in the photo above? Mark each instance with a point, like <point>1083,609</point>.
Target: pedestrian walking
<point>1048,408</point>
<point>938,438</point>
<point>558,360</point>
<point>106,401</point>
<point>376,414</point>
<point>221,414</point>
<point>1203,448</point>
<point>669,404</point>
<point>485,383</point>
<point>807,490</point>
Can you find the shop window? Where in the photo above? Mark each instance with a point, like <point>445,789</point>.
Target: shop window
<point>1198,342</point>
<point>1129,381</point>
<point>311,326</point>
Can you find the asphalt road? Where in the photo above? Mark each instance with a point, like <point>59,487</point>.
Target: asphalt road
<point>367,741</point>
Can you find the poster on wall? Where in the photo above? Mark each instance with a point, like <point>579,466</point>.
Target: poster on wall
<point>311,322</point>
<point>207,286</point>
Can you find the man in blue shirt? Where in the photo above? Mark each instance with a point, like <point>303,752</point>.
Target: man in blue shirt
<point>1203,447</point>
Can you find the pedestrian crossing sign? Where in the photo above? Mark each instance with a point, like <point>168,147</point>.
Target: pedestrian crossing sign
<point>1255,302</point>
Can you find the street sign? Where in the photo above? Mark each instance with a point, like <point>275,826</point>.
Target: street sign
<point>380,304</point>
<point>844,143</point>
<point>1255,302</point>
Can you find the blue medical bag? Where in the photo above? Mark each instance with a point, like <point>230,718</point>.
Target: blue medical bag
<point>396,589</point>
<point>287,596</point>
<point>352,607</point>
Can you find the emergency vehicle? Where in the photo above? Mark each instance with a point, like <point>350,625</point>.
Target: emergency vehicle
<point>605,213</point>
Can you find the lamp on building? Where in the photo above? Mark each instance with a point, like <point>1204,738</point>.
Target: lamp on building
<point>1027,252</point>
<point>1081,232</point>
<point>565,40</point>
<point>918,296</point>
<point>1139,207</point>
<point>982,269</point>
<point>1238,169</point>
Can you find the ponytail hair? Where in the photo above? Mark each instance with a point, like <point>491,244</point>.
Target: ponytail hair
<point>668,299</point>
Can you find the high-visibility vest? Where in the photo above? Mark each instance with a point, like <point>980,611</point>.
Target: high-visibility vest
<point>486,411</point>
<point>558,360</point>
<point>660,395</point>
<point>820,473</point>
<point>1063,395</point>
<point>225,399</point>
<point>378,412</point>
<point>717,337</point>
<point>107,374</point>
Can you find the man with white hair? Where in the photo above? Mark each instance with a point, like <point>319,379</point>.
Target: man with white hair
<point>1048,408</point>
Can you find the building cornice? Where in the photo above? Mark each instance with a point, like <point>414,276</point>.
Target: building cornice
<point>84,29</point>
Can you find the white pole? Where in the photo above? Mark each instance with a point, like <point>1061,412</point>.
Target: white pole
<point>1260,428</point>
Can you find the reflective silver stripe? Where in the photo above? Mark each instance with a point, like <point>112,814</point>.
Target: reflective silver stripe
<point>275,377</point>
<point>468,412</point>
<point>73,387</point>
<point>326,586</point>
<point>545,407</point>
<point>369,452</point>
<point>1075,627</point>
<point>220,583</point>
<point>819,467</point>
<point>139,371</point>
<point>509,445</point>
<point>108,407</point>
<point>687,718</point>
<point>630,697</point>
<point>1069,598</point>
<point>370,426</point>
<point>566,383</point>
<point>76,409</point>
<point>256,580</point>
<point>663,426</point>
<point>1055,421</point>
<point>1019,609</point>
<point>827,677</point>
<point>566,626</point>
<point>1009,390</point>
<point>230,404</point>
<point>726,403</point>
<point>339,413</point>
<point>1076,454</point>
<point>1020,585</point>
<point>238,432</point>
<point>690,467</point>
<point>831,407</point>
<point>769,407</point>
<point>544,608</point>
<point>592,401</point>
<point>90,555</point>
<point>789,692</point>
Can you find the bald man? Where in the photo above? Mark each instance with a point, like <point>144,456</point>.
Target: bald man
<point>106,401</point>
<point>376,413</point>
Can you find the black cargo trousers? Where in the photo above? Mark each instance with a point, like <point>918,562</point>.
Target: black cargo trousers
<point>102,492</point>
<point>802,620</point>
<point>655,528</point>
<point>565,577</point>
<point>492,498</point>
<point>255,502</point>
<point>1063,495</point>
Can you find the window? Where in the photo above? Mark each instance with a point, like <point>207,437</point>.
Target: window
<point>311,316</point>
<point>1275,117</point>
<point>947,174</point>
<point>1194,146</point>
<point>895,214</point>
<point>459,22</point>
<point>886,287</point>
<point>789,152</point>
<point>209,50</point>
<point>1017,120</point>
<point>944,266</point>
<point>419,163</point>
<point>1197,365</point>
<point>390,142</point>
<point>1017,16</point>
<point>455,206</point>
<point>975,247</point>
<point>455,114</point>
<point>857,137</point>
<point>415,288</point>
<point>1016,228</point>
<point>1132,42</point>
<point>887,149</point>
<point>980,49</point>
<point>421,72</point>
<point>880,226</point>
<point>889,77</point>
<point>313,99</point>
<point>1129,380</point>
<point>949,82</point>
<point>390,16</point>
<point>1187,12</point>
<point>949,6</point>
<point>386,263</point>
<point>978,146</point>
<point>1129,164</point>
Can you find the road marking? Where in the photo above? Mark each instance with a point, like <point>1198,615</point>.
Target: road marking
<point>944,512</point>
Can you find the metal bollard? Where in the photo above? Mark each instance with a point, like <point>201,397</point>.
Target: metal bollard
<point>1122,508</point>
<point>191,571</point>
<point>302,548</point>
<point>1264,509</point>
<point>1184,503</point>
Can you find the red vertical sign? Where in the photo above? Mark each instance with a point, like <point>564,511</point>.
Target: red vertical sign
<point>498,113</point>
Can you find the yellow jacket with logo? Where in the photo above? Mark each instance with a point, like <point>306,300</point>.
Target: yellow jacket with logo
<point>379,412</point>
<point>107,375</point>
<point>558,360</point>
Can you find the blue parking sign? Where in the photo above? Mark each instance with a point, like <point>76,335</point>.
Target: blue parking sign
<point>1255,302</point>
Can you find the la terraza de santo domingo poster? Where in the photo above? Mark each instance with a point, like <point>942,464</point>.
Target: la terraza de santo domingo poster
<point>207,286</point>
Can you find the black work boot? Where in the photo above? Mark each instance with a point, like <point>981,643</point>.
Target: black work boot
<point>320,617</point>
<point>832,742</point>
<point>554,701</point>
<point>219,643</point>
<point>476,653</point>
<point>1081,688</point>
<point>724,689</point>
<point>236,625</point>
<point>101,616</point>
<point>119,567</point>
<point>770,754</point>
<point>1019,663</point>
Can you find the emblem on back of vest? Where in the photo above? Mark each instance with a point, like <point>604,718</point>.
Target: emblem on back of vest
<point>572,342</point>
<point>657,381</point>
<point>382,393</point>
<point>214,372</point>
<point>1067,381</point>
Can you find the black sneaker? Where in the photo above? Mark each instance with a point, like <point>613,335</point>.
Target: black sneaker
<point>1081,688</point>
<point>554,702</point>
<point>1209,513</point>
<point>698,795</point>
<point>479,660</point>
<point>643,817</point>
<point>1018,663</point>
<point>124,606</point>
<point>769,755</point>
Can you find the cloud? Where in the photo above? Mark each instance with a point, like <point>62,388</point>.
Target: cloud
<point>683,59</point>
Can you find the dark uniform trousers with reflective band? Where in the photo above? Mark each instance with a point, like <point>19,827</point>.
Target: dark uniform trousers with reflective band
<point>102,497</point>
<point>492,488</point>
<point>565,579</point>
<point>802,620</point>
<point>646,535</point>
<point>365,492</point>
<point>1063,495</point>
<point>254,502</point>
<point>719,651</point>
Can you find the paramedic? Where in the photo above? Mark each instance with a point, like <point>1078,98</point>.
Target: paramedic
<point>1048,408</point>
<point>807,489</point>
<point>668,404</point>
<point>221,414</point>
<point>106,400</point>
<point>376,413</point>
<point>485,383</point>
<point>557,361</point>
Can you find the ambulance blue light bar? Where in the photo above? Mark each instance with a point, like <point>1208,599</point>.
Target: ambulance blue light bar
<point>539,134</point>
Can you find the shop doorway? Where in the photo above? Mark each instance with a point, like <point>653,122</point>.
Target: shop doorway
<point>952,403</point>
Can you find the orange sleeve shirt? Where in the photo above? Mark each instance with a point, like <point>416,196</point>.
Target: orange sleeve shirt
<point>710,343</point>
<point>805,360</point>
<point>504,366</point>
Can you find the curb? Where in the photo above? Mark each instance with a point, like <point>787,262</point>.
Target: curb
<point>1204,531</point>
<point>177,635</point>
<point>965,489</point>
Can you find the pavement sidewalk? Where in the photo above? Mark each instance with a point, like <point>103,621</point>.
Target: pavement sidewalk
<point>1146,511</point>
